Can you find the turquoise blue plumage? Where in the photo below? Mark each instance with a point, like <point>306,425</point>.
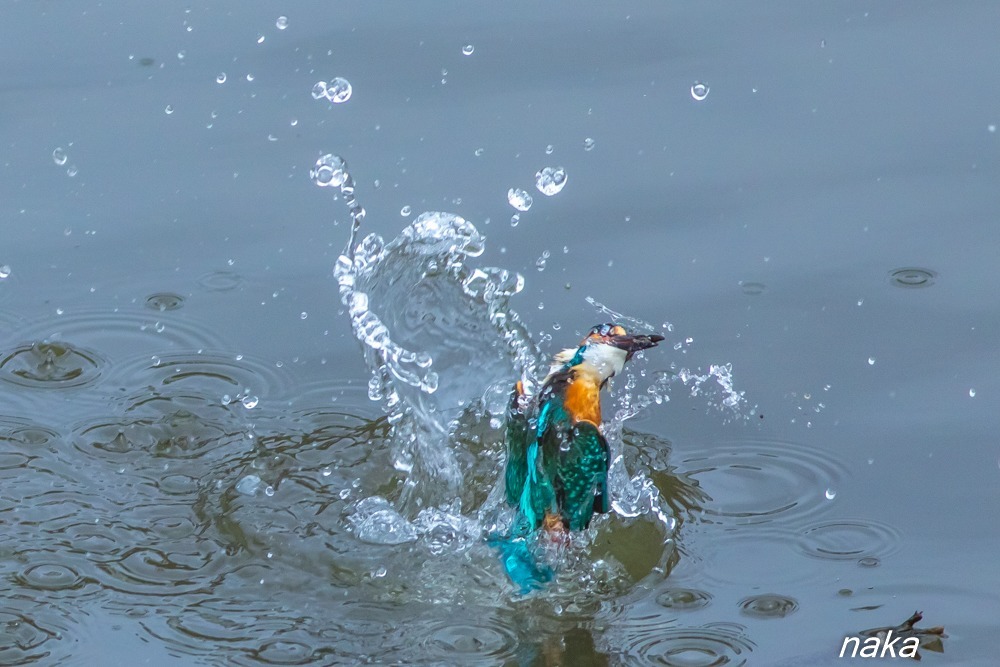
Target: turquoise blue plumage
<point>556,474</point>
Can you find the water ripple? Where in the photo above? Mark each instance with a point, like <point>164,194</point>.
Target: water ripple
<point>705,646</point>
<point>50,577</point>
<point>162,301</point>
<point>683,598</point>
<point>757,482</point>
<point>220,377</point>
<point>148,571</point>
<point>912,277</point>
<point>768,606</point>
<point>470,643</point>
<point>56,365</point>
<point>849,539</point>
<point>24,434</point>
<point>124,333</point>
<point>23,639</point>
<point>220,281</point>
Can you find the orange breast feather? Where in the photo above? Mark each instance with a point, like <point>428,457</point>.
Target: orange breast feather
<point>583,400</point>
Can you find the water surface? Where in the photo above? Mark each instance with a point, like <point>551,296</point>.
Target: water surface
<point>823,220</point>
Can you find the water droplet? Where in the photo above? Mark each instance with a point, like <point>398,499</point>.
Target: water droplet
<point>169,109</point>
<point>479,151</point>
<point>221,78</point>
<point>326,472</point>
<point>549,149</point>
<point>260,39</point>
<point>319,90</point>
<point>338,90</point>
<point>281,23</point>
<point>972,392</point>
<point>540,262</point>
<point>699,91</point>
<point>4,271</point>
<point>268,491</point>
<point>249,77</point>
<point>830,494</point>
<point>550,180</point>
<point>59,156</point>
<point>405,211</point>
<point>72,171</point>
<point>515,219</point>
<point>381,572</point>
<point>871,361</point>
<point>249,485</point>
<point>303,315</point>
<point>468,49</point>
<point>294,122</point>
<point>519,199</point>
<point>329,170</point>
<point>588,144</point>
<point>249,402</point>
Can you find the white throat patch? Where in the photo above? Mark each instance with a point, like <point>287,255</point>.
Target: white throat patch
<point>606,360</point>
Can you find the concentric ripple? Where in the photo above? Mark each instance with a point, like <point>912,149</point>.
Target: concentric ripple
<point>124,333</point>
<point>220,281</point>
<point>149,571</point>
<point>911,277</point>
<point>683,598</point>
<point>25,435</point>
<point>469,643</point>
<point>50,365</point>
<point>163,301</point>
<point>223,378</point>
<point>758,482</point>
<point>849,539</point>
<point>711,645</point>
<point>282,652</point>
<point>747,558</point>
<point>179,434</point>
<point>768,606</point>
<point>50,577</point>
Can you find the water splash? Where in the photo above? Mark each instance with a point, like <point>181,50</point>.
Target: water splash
<point>425,318</point>
<point>714,384</point>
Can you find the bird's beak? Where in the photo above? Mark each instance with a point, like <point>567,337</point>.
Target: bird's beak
<point>633,344</point>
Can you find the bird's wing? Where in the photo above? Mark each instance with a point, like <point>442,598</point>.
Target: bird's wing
<point>582,486</point>
<point>517,446</point>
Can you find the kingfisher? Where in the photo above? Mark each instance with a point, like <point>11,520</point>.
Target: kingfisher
<point>557,456</point>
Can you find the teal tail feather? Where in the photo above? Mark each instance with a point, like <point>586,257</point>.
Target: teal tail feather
<point>520,563</point>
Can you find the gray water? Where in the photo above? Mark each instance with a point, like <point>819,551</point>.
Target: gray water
<point>170,325</point>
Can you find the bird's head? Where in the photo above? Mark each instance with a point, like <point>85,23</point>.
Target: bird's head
<point>605,350</point>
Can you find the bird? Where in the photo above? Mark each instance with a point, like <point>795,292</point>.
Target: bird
<point>556,475</point>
